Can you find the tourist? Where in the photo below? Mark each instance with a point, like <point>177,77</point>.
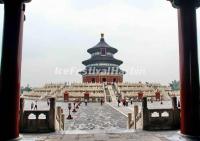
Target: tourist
<point>131,101</point>
<point>109,100</point>
<point>35,107</point>
<point>126,102</point>
<point>179,104</point>
<point>85,102</point>
<point>151,100</point>
<point>32,105</point>
<point>101,102</point>
<point>118,101</point>
<point>48,102</point>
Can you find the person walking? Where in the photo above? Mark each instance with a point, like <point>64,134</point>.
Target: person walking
<point>101,101</point>
<point>109,100</point>
<point>124,102</point>
<point>179,104</point>
<point>118,101</point>
<point>48,102</point>
<point>32,106</point>
<point>35,107</point>
<point>151,100</point>
<point>131,101</point>
<point>127,102</point>
<point>85,102</point>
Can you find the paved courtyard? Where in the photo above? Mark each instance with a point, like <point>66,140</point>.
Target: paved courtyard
<point>96,117</point>
<point>102,123</point>
<point>91,117</point>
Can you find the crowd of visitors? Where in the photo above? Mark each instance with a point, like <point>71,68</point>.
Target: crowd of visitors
<point>34,105</point>
<point>125,102</point>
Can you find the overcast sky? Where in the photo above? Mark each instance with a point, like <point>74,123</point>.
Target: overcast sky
<point>57,35</point>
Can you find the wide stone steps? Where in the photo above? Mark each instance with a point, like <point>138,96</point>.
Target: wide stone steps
<point>112,94</point>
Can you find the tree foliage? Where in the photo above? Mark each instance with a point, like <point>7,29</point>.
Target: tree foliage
<point>175,85</point>
<point>27,89</point>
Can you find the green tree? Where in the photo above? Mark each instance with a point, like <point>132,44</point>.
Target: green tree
<point>175,85</point>
<point>27,89</point>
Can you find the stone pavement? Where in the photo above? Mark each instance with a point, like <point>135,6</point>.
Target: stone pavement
<point>112,136</point>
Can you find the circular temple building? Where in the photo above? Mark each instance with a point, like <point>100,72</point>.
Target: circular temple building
<point>102,66</point>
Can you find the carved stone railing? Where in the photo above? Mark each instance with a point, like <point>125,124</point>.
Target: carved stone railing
<point>161,119</point>
<point>60,119</point>
<point>138,116</point>
<point>117,91</point>
<point>133,118</point>
<point>130,121</point>
<point>41,121</point>
<point>35,121</point>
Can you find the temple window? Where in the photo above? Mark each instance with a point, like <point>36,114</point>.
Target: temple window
<point>103,51</point>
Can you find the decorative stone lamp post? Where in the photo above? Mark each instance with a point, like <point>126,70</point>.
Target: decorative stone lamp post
<point>69,107</point>
<point>10,70</point>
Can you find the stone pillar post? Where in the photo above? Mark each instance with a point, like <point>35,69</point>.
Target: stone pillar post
<point>52,116</point>
<point>129,120</point>
<point>189,70</point>
<point>11,67</point>
<point>135,114</point>
<point>145,113</point>
<point>58,114</point>
<point>21,113</point>
<point>176,114</point>
<point>174,103</point>
<point>144,103</point>
<point>63,121</point>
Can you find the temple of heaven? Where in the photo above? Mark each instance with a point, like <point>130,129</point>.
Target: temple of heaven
<point>102,66</point>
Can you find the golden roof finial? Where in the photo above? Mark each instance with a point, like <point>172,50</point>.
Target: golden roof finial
<point>102,35</point>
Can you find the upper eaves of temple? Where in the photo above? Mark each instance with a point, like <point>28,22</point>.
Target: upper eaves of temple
<point>102,44</point>
<point>102,59</point>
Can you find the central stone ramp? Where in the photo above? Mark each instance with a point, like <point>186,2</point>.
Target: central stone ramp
<point>96,118</point>
<point>112,94</point>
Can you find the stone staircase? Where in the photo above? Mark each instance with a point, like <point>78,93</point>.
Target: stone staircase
<point>117,91</point>
<point>112,93</point>
<point>107,93</point>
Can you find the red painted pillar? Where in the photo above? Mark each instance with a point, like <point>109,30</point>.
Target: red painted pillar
<point>86,95</point>
<point>157,95</point>
<point>140,95</point>
<point>189,70</point>
<point>11,68</point>
<point>66,96</point>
